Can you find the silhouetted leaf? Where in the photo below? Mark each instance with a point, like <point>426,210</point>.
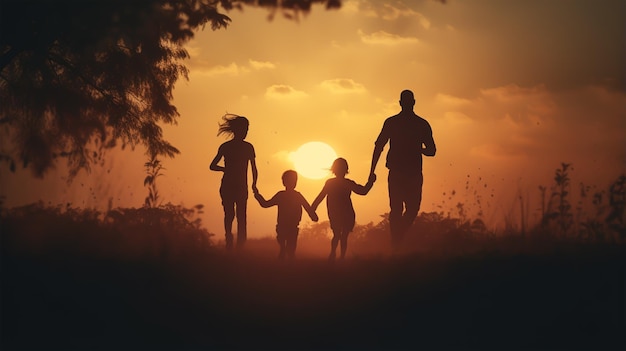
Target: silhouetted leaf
<point>148,180</point>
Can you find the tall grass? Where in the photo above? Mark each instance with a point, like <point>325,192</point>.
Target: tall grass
<point>169,231</point>
<point>154,169</point>
<point>604,219</point>
<point>151,278</point>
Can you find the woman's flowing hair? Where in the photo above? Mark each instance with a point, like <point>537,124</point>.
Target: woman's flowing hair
<point>233,124</point>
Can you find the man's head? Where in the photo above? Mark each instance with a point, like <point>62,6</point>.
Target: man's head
<point>290,179</point>
<point>407,100</point>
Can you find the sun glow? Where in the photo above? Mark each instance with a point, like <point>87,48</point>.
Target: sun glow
<point>313,159</point>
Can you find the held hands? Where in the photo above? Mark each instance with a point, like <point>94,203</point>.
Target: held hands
<point>314,216</point>
<point>257,195</point>
<point>372,178</point>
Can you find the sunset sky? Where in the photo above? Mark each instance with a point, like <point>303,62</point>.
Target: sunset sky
<point>511,89</point>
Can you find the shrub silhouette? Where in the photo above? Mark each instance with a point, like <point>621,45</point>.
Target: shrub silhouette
<point>167,232</point>
<point>150,278</point>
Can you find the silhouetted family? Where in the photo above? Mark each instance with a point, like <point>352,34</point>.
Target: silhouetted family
<point>409,137</point>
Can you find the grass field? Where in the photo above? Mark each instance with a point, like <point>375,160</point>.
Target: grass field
<point>79,283</point>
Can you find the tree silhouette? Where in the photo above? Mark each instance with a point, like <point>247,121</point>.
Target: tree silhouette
<point>79,77</point>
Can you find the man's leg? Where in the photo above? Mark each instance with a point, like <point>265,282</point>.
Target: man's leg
<point>413,200</point>
<point>396,195</point>
<point>242,233</point>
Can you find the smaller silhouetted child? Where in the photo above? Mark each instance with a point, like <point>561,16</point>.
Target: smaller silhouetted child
<point>290,203</point>
<point>237,154</point>
<point>339,204</point>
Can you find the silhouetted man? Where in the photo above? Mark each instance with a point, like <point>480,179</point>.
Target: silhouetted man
<point>409,137</point>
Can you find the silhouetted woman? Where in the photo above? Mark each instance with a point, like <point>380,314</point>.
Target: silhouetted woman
<point>237,154</point>
<point>339,204</point>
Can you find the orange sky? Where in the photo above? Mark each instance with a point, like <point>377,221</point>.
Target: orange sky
<point>511,89</point>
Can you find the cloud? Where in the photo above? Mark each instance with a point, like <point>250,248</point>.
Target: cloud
<point>513,92</point>
<point>281,91</point>
<point>193,51</point>
<point>526,129</point>
<point>259,65</point>
<point>391,13</point>
<point>450,100</point>
<point>359,7</point>
<point>519,105</point>
<point>523,105</point>
<point>384,11</point>
<point>342,86</point>
<point>385,38</point>
<point>507,121</point>
<point>497,152</point>
<point>453,119</point>
<point>233,69</point>
<point>282,155</point>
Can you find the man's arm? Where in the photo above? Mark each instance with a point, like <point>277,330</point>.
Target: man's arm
<point>378,149</point>
<point>429,148</point>
<point>379,145</point>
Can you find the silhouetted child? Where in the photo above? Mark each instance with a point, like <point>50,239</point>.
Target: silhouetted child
<point>339,204</point>
<point>290,203</point>
<point>237,154</point>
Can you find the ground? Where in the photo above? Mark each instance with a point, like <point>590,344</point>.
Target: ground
<point>571,298</point>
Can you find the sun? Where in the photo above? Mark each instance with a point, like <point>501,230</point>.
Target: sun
<point>313,159</point>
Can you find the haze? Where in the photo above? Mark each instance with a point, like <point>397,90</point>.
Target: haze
<point>510,88</point>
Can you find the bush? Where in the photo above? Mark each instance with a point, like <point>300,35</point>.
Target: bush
<point>164,233</point>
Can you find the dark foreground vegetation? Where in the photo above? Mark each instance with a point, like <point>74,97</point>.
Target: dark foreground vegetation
<point>150,279</point>
<point>153,279</point>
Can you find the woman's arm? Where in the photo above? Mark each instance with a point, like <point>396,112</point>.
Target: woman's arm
<point>255,174</point>
<point>319,198</point>
<point>214,164</point>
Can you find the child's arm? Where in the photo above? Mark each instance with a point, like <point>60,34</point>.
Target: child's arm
<point>319,198</point>
<point>264,203</point>
<point>363,190</point>
<point>309,210</point>
<point>214,164</point>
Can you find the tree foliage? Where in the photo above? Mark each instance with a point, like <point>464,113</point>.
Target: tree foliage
<point>79,77</point>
